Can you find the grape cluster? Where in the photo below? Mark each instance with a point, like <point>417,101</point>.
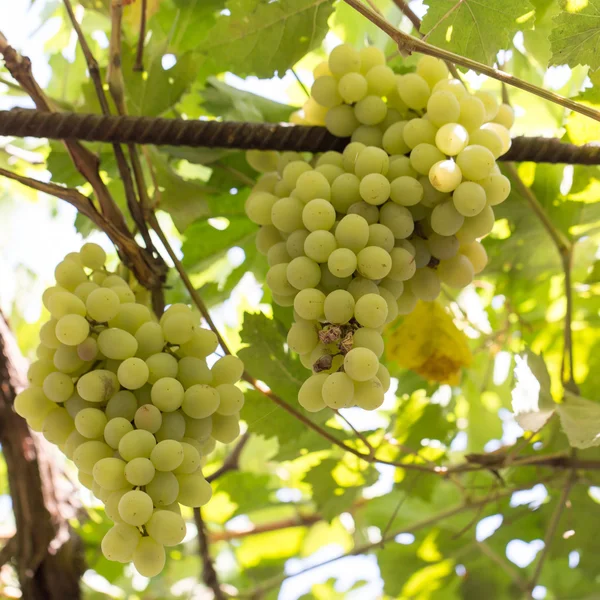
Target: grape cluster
<point>131,401</point>
<point>354,239</point>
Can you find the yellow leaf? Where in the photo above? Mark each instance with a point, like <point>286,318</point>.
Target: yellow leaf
<point>428,342</point>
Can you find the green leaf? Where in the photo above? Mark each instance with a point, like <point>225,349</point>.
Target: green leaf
<point>264,38</point>
<point>232,104</point>
<point>580,420</point>
<point>476,29</point>
<point>575,39</point>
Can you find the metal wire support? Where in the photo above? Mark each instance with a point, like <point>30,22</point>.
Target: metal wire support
<point>228,134</point>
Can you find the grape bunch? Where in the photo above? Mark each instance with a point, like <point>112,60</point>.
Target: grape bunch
<point>131,401</point>
<point>354,239</point>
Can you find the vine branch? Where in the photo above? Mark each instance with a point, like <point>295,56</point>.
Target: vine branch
<point>209,574</point>
<point>231,463</point>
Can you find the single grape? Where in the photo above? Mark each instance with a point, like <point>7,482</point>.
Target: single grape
<point>57,426</point>
<point>119,542</point>
<point>370,57</point>
<point>381,236</point>
<point>203,343</point>
<point>477,227</point>
<point>445,176</point>
<point>339,307</point>
<point>472,113</point>
<point>445,219</point>
<point>194,490</point>
<point>58,387</point>
<point>424,156</point>
<point>133,373</point>
<point>200,401</point>
<point>90,422</point>
<point>489,139</point>
<point>232,399</point>
<point>443,107</point>
<point>398,219</point>
<point>345,192</point>
<point>490,104</point>
<point>361,364</point>
<point>476,254</point>
<point>371,160</point>
<point>393,139</point>
<point>419,131</point>
<point>406,191</point>
<point>318,214</point>
<point>414,91</point>
<point>293,170</point>
<point>117,344</point>
<point>167,394</point>
<point>319,245</point>
<point>469,199</point>
<point>475,162</point>
<point>451,139</point>
<point>371,110</point>
<point>148,417</point>
<point>371,311</point>
<point>310,396</point>
<point>342,262</point>
<point>69,274</point>
<point>262,161</point>
<point>178,328</point>
<point>403,266</point>
<point>344,59</point>
<point>505,116</point>
<point>352,87</point>
<point>302,338</point>
<point>341,121</point>
<point>425,284</point>
<point>89,453</point>
<point>442,247</point>
<point>167,455</point>
<point>368,395</point>
<point>497,188</point>
<point>302,273</point>
<point>109,473</point>
<point>374,262</point>
<point>136,443</point>
<point>456,272</point>
<point>338,390</point>
<point>258,207</point>
<point>374,189</point>
<point>406,302</point>
<point>166,527</point>
<point>368,339</point>
<point>98,386</point>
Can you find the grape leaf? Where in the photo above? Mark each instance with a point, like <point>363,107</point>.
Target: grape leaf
<point>580,420</point>
<point>476,29</point>
<point>575,39</point>
<point>265,38</point>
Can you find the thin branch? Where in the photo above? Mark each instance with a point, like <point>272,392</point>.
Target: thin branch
<point>504,565</point>
<point>408,11</point>
<point>209,574</point>
<point>552,527</point>
<point>139,55</point>
<point>410,43</point>
<point>357,433</point>
<point>231,463</point>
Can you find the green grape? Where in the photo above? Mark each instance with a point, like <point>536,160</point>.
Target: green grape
<point>166,527</point>
<point>69,274</point>
<point>119,542</point>
<point>344,59</point>
<point>136,443</point>
<point>302,273</point>
<point>369,339</point>
<point>477,227</point>
<point>369,135</point>
<point>88,349</point>
<point>309,303</point>
<point>198,429</point>
<point>48,334</point>
<point>258,207</point>
<point>345,192</point>
<point>425,284</point>
<point>406,302</point>
<point>92,256</point>
<point>228,369</point>
<point>115,429</point>
<point>109,473</point>
<point>451,85</point>
<point>102,304</point>
<point>391,304</point>
<point>90,422</point>
<point>352,87</point>
<point>45,353</point>
<point>73,441</point>
<point>192,371</point>
<point>310,396</point>
<point>374,189</point>
<point>167,394</point>
<point>374,262</point>
<point>371,160</point>
<point>497,188</point>
<point>167,455</point>
<point>339,307</point>
<point>331,157</point>
<point>400,167</point>
<point>419,131</point>
<point>125,294</point>
<point>32,402</point>
<point>133,373</point>
<point>451,139</point>
<point>361,364</point>
<point>472,113</point>
<point>163,489</point>
<point>293,170</point>
<point>393,116</point>
<point>476,254</point>
<point>202,344</point>
<point>57,426</point>
<point>232,399</point>
<point>489,139</point>
<point>122,404</point>
<point>432,69</point>
<point>475,162</point>
<point>63,303</point>
<point>424,156</point>
<point>287,214</point>
<point>319,245</point>
<point>338,391</point>
<point>285,158</point>
<point>98,386</point>
<point>398,219</point>
<point>422,254</point>
<point>178,328</point>
<point>384,377</point>
<point>150,339</point>
<point>172,428</point>
<point>83,290</point>
<point>111,505</point>
<point>112,281</point>
<point>194,490</point>
<point>359,286</point>
<point>191,459</point>
<point>502,133</point>
<point>489,103</point>
<point>76,403</point>
<point>148,417</point>
<point>135,508</point>
<point>381,236</point>
<point>368,395</point>
<point>431,196</point>
<point>445,176</point>
<point>329,282</point>
<point>414,91</point>
<point>445,219</point>
<point>278,254</point>
<point>456,272</point>
<point>131,317</point>
<point>318,214</point>
<point>371,110</point>
<point>370,57</point>
<point>89,453</point>
<point>325,91</point>
<point>443,107</point>
<point>58,387</point>
<point>86,480</point>
<point>302,338</point>
<point>408,246</point>
<point>352,232</point>
<point>200,401</point>
<point>149,557</point>
<point>341,121</point>
<point>342,262</point>
<point>49,292</point>
<point>139,471</point>
<point>350,155</point>
<point>505,116</point>
<point>117,343</point>
<point>406,191</point>
<point>371,311</point>
<point>39,370</point>
<point>381,80</point>
<point>295,244</point>
<point>267,181</point>
<point>393,139</point>
<point>441,246</point>
<point>396,288</point>
<point>266,237</point>
<point>403,266</point>
<point>469,199</point>
<point>262,161</point>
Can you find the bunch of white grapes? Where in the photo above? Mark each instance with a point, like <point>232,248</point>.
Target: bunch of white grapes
<point>131,401</point>
<point>354,239</point>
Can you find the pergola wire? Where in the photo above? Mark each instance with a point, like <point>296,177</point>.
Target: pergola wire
<point>229,134</point>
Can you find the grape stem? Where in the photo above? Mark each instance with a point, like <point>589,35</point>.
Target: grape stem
<point>411,44</point>
<point>209,573</point>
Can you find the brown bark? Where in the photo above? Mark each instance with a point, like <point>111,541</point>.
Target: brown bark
<point>47,554</point>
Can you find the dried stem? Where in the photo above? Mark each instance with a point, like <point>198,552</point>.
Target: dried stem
<point>139,55</point>
<point>409,43</point>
